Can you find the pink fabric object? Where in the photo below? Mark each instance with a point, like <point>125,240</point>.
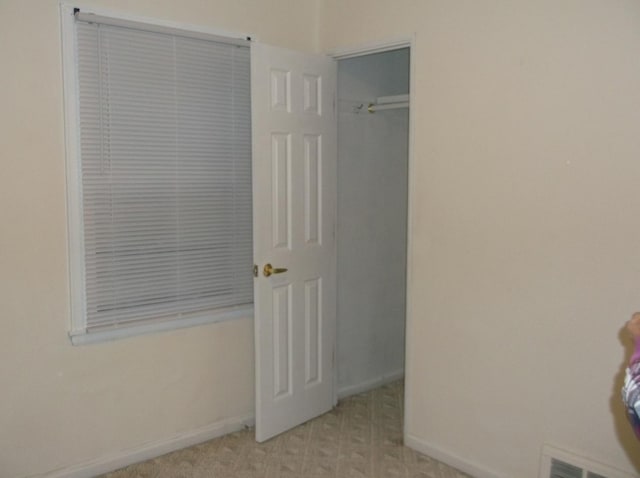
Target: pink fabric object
<point>636,353</point>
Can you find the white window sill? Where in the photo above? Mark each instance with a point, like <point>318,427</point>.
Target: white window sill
<point>84,337</point>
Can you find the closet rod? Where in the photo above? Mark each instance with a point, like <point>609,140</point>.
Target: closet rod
<point>388,106</point>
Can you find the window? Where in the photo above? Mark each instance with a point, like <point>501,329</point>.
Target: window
<point>159,176</point>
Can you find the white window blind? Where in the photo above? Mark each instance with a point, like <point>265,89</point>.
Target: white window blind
<point>165,175</point>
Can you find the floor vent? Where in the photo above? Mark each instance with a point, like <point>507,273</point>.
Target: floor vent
<point>558,463</point>
<point>561,469</point>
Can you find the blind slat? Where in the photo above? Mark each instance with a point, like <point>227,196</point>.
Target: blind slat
<point>165,133</point>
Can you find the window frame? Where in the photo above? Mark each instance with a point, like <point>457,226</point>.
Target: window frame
<point>75,225</point>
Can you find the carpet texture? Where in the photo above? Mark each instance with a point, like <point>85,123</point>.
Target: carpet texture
<point>361,437</point>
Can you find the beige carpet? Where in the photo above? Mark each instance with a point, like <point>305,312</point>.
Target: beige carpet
<point>362,437</point>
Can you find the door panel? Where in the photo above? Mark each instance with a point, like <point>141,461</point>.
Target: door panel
<point>313,329</point>
<point>282,370</point>
<point>294,185</point>
<point>312,190</point>
<point>281,190</point>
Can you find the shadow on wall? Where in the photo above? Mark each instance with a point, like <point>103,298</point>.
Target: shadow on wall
<point>625,434</point>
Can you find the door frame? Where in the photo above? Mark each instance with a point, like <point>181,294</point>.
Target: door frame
<point>369,49</point>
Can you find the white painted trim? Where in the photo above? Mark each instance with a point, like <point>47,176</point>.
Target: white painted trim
<point>411,188</point>
<point>370,384</point>
<point>370,48</point>
<point>210,317</point>
<point>75,223</point>
<point>151,450</point>
<point>450,459</point>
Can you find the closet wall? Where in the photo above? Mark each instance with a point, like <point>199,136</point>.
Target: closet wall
<point>372,221</point>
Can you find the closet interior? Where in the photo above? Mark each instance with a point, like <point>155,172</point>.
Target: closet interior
<point>373,152</point>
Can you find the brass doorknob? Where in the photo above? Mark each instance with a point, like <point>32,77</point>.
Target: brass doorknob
<point>269,269</point>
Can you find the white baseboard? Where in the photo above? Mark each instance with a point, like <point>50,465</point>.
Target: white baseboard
<point>370,384</point>
<point>450,459</point>
<point>147,451</point>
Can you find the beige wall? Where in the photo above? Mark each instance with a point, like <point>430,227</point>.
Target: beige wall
<point>525,237</point>
<point>62,405</point>
<point>526,232</point>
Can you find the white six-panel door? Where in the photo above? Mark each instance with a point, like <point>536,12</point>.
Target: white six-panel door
<point>294,208</point>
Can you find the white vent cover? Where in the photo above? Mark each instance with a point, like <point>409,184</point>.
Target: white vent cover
<point>557,463</point>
